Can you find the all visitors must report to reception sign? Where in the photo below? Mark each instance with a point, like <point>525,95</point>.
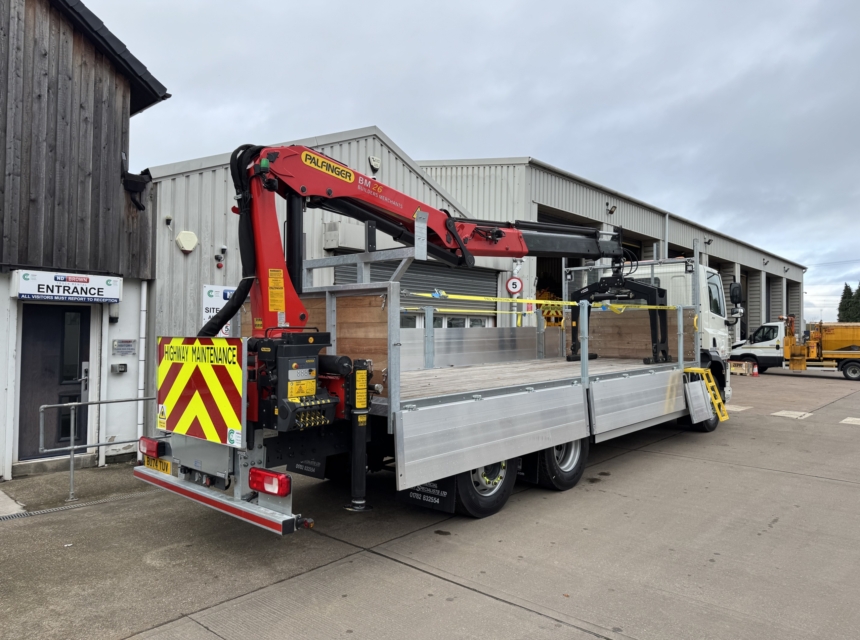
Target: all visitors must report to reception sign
<point>65,287</point>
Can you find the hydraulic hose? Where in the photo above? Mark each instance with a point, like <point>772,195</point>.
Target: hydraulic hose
<point>239,161</point>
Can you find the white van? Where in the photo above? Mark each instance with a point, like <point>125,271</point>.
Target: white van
<point>764,347</point>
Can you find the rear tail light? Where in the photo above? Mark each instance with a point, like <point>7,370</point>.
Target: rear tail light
<point>151,447</point>
<point>271,482</point>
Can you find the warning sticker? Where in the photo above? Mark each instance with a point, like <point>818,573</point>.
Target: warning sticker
<point>201,388</point>
<point>276,299</point>
<point>361,389</point>
<point>299,388</point>
<point>328,166</point>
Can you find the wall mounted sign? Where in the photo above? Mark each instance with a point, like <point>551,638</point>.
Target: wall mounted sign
<point>65,287</point>
<point>123,347</point>
<point>214,298</point>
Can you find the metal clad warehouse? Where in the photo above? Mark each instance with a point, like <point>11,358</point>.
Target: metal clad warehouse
<point>528,189</point>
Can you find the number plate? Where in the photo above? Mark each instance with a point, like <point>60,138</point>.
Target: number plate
<point>299,388</point>
<point>158,464</point>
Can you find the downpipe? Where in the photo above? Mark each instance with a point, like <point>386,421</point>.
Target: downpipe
<point>141,362</point>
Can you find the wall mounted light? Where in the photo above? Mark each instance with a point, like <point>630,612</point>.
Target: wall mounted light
<point>708,241</point>
<point>610,210</point>
<point>765,261</point>
<point>785,269</point>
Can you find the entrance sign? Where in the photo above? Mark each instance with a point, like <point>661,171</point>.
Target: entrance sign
<point>65,287</point>
<point>214,299</point>
<point>201,388</point>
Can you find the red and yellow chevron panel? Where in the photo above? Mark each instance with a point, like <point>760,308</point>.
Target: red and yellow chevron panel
<point>201,388</point>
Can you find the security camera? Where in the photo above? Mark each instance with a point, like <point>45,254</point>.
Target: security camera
<point>168,219</point>
<point>223,249</point>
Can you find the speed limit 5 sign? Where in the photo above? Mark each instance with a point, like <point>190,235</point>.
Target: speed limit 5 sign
<point>514,285</point>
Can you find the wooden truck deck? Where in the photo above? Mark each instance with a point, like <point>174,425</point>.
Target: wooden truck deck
<point>428,383</point>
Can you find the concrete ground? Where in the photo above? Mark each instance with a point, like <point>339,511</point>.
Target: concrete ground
<point>752,531</point>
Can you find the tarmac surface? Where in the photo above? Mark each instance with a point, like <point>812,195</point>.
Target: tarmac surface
<point>752,531</point>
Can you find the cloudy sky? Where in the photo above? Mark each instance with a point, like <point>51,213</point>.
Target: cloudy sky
<point>739,114</point>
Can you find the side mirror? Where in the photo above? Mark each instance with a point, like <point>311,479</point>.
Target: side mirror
<point>736,312</point>
<point>735,293</point>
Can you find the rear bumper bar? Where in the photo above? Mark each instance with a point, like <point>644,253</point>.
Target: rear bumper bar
<point>267,519</point>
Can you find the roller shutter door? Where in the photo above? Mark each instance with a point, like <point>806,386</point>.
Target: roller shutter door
<point>423,277</point>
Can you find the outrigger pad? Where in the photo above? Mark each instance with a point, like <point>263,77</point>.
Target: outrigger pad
<point>578,357</point>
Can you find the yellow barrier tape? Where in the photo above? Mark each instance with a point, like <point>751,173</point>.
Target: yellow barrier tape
<point>485,312</point>
<point>441,295</point>
<point>617,308</point>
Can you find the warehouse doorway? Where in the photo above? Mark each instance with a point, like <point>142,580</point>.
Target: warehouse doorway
<point>55,353</point>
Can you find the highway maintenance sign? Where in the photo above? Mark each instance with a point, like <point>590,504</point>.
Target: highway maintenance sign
<point>202,388</point>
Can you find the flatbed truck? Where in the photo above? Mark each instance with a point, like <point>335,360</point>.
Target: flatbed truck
<point>330,385</point>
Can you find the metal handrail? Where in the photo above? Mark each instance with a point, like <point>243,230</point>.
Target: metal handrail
<point>72,425</point>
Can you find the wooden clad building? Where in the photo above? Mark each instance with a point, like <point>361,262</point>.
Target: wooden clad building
<point>67,90</point>
<point>76,247</point>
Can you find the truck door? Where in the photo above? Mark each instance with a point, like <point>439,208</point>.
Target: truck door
<point>766,345</point>
<point>715,334</point>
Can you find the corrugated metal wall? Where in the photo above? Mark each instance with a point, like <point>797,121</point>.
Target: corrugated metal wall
<point>754,310</point>
<point>560,192</point>
<point>488,192</point>
<point>776,292</point>
<point>427,277</point>
<point>795,300</point>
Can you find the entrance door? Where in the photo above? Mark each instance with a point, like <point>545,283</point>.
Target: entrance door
<point>55,347</point>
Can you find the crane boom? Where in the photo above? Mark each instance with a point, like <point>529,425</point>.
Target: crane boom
<point>309,179</point>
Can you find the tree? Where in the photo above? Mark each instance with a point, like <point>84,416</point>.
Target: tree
<point>854,307</point>
<point>846,302</point>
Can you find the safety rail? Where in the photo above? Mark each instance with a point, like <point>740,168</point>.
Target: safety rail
<point>72,424</point>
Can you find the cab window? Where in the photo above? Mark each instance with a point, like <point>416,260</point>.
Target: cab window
<point>765,333</point>
<point>715,294</point>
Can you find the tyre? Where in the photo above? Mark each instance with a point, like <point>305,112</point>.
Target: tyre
<point>484,491</point>
<point>752,360</point>
<point>561,467</point>
<point>762,369</point>
<point>851,370</point>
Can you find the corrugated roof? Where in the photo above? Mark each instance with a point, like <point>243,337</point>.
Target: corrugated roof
<point>145,89</point>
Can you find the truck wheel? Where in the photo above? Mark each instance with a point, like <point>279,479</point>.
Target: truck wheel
<point>752,360</point>
<point>561,467</point>
<point>484,491</point>
<point>851,370</point>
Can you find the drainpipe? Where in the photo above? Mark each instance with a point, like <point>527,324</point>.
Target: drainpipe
<point>141,360</point>
<point>104,371</point>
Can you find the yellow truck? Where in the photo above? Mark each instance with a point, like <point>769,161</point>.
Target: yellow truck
<point>831,345</point>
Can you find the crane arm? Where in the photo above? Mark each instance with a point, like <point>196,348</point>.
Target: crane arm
<point>307,178</point>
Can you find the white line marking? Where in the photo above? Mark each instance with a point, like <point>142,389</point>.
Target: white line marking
<point>851,421</point>
<point>794,415</point>
<point>736,407</point>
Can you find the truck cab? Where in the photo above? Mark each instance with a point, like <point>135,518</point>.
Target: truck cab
<point>764,347</point>
<point>714,315</point>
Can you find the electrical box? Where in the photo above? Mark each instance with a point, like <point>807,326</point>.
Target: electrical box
<point>119,368</point>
